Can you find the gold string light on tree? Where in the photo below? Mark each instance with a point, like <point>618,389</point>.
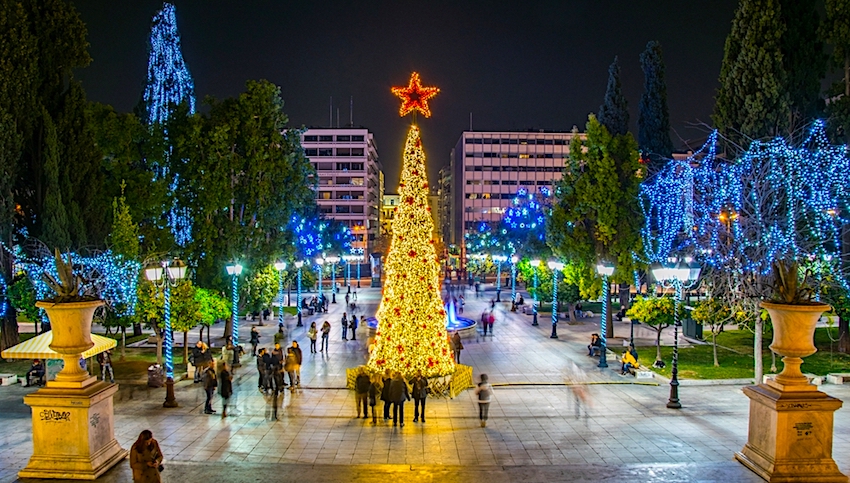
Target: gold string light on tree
<point>411,334</point>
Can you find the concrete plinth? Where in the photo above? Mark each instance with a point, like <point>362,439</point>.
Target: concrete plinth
<point>73,433</point>
<point>790,434</point>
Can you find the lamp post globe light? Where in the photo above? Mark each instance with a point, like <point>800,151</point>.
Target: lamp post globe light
<point>606,271</point>
<point>680,275</point>
<point>333,260</point>
<point>556,268</point>
<point>280,267</point>
<point>514,259</point>
<point>499,259</point>
<point>534,263</point>
<point>234,270</point>
<point>298,265</point>
<point>167,274</point>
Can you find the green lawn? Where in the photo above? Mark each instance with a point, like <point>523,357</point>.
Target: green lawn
<point>696,362</point>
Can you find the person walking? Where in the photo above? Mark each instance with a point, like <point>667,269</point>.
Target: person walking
<point>484,392</point>
<point>344,326</point>
<point>104,360</point>
<point>225,389</point>
<point>354,323</point>
<point>255,340</point>
<point>201,359</point>
<point>326,333</point>
<point>146,459</point>
<point>228,353</point>
<point>210,383</point>
<point>289,367</point>
<point>420,392</point>
<point>399,393</point>
<point>374,392</point>
<point>278,356</point>
<point>361,392</point>
<point>298,358</point>
<point>457,346</point>
<point>312,333</point>
<point>385,393</point>
<point>484,320</point>
<point>261,370</point>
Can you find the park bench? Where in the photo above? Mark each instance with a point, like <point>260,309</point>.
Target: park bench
<point>838,377</point>
<point>8,379</point>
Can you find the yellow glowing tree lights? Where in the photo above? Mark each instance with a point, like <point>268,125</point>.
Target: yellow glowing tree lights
<point>411,333</point>
<point>415,97</point>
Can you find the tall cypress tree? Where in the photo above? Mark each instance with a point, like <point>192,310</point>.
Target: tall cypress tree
<point>54,227</point>
<point>803,59</point>
<point>654,119</point>
<point>836,31</point>
<point>614,111</point>
<point>752,102</point>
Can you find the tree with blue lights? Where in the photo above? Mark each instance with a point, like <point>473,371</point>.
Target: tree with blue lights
<point>654,119</point>
<point>522,228</point>
<point>168,82</point>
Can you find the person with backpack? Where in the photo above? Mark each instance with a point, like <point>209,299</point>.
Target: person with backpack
<point>361,392</point>
<point>484,392</point>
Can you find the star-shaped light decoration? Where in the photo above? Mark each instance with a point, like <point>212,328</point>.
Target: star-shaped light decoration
<point>415,97</point>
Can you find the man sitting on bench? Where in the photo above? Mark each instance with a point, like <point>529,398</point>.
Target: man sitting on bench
<point>629,360</point>
<point>36,374</point>
<point>595,346</point>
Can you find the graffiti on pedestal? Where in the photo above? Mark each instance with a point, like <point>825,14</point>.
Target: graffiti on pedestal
<point>52,416</point>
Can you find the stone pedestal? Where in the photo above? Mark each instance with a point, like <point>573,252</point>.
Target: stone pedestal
<point>790,434</point>
<point>72,432</point>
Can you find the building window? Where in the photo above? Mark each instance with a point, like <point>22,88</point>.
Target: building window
<point>324,195</point>
<point>357,209</point>
<point>324,166</point>
<point>311,152</point>
<point>326,152</point>
<point>523,156</point>
<point>343,209</point>
<point>357,181</point>
<point>343,139</point>
<point>357,139</point>
<point>357,152</point>
<point>472,196</point>
<point>548,142</point>
<point>357,166</point>
<point>526,183</point>
<point>325,210</point>
<point>509,182</point>
<point>311,139</point>
<point>326,139</point>
<point>343,166</point>
<point>343,152</point>
<point>542,183</point>
<point>560,142</point>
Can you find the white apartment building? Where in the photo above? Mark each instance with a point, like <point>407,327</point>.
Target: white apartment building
<point>487,169</point>
<point>349,179</point>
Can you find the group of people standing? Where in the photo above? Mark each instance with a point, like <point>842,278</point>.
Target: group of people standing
<point>393,390</point>
<point>276,365</point>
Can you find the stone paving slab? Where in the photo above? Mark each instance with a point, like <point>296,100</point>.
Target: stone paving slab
<point>294,473</point>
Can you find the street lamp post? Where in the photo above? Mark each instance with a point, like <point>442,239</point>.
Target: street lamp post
<point>513,261</point>
<point>679,275</point>
<point>606,271</point>
<point>298,265</point>
<point>499,259</point>
<point>359,259</point>
<point>347,259</point>
<point>535,264</point>
<point>234,270</point>
<point>556,267</point>
<point>333,260</point>
<point>280,267</point>
<point>319,263</point>
<point>167,274</point>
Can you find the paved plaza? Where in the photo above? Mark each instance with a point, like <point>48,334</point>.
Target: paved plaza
<point>536,431</point>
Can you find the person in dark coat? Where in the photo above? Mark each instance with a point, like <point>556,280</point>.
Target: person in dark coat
<point>255,340</point>
<point>210,383</point>
<point>361,392</point>
<point>225,389</point>
<point>374,392</point>
<point>457,346</point>
<point>399,393</point>
<point>261,370</point>
<point>385,394</point>
<point>298,357</point>
<point>353,325</point>
<point>420,392</point>
<point>35,373</point>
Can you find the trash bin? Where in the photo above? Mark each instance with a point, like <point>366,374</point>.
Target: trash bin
<point>156,378</point>
<point>691,329</point>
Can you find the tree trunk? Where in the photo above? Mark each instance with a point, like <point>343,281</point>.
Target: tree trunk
<point>658,330</point>
<point>714,344</point>
<point>209,344</point>
<point>843,335</point>
<point>757,345</point>
<point>137,330</point>
<point>572,309</point>
<point>123,343</point>
<point>185,347</point>
<point>9,330</point>
<point>159,340</point>
<point>625,295</point>
<point>228,327</point>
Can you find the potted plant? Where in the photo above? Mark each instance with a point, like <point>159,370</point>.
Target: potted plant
<point>794,315</point>
<point>70,312</point>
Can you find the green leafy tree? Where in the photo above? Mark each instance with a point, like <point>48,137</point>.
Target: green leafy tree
<point>9,154</point>
<point>836,296</point>
<point>714,314</point>
<point>185,312</point>
<point>124,237</point>
<point>596,217</point>
<point>656,312</point>
<point>654,118</point>
<point>212,307</point>
<point>752,100</point>
<point>22,297</point>
<point>260,289</point>
<point>55,225</point>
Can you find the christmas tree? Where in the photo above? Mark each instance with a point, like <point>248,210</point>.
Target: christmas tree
<point>411,333</point>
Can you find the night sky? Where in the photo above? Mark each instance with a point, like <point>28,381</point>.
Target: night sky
<point>514,65</point>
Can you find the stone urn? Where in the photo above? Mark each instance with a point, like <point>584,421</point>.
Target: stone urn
<point>794,336</point>
<point>71,327</point>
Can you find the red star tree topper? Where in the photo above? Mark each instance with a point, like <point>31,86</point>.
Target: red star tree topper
<point>411,333</point>
<point>414,96</point>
